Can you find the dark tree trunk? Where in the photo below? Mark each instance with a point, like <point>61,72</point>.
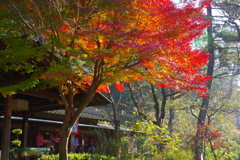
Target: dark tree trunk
<point>64,137</point>
<point>205,102</point>
<point>116,120</point>
<point>156,105</point>
<point>170,121</point>
<point>163,106</point>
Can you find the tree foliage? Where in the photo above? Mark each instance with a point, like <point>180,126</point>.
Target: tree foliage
<point>115,41</point>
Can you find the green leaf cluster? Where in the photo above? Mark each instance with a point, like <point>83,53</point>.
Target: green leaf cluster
<point>27,84</point>
<point>16,142</point>
<point>20,55</point>
<point>17,131</point>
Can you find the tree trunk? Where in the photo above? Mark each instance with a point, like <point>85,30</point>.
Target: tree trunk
<point>72,115</point>
<point>156,105</point>
<point>230,92</point>
<point>205,102</point>
<point>116,120</point>
<point>64,137</point>
<point>170,121</point>
<point>163,106</point>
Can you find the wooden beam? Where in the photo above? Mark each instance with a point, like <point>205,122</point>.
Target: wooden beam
<point>7,128</point>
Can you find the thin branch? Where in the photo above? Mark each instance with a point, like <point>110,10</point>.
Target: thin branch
<point>131,65</point>
<point>19,14</point>
<point>38,12</point>
<point>66,104</point>
<point>193,113</point>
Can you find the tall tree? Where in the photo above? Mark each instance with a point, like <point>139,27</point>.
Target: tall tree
<point>103,42</point>
<point>205,101</point>
<point>223,37</point>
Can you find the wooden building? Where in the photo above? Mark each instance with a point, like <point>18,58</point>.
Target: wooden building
<point>29,104</point>
<point>47,124</point>
<point>37,115</point>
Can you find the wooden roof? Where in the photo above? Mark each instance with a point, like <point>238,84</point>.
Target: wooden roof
<point>89,113</point>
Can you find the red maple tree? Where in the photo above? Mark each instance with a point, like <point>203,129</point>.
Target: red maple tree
<point>104,42</point>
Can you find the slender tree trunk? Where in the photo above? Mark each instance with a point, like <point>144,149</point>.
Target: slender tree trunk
<point>230,92</point>
<point>66,128</point>
<point>170,121</point>
<point>64,137</point>
<point>116,120</point>
<point>172,110</point>
<point>163,106</point>
<point>205,102</point>
<point>156,105</point>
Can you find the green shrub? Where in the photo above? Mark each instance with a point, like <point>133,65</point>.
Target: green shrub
<point>79,156</point>
<point>179,154</point>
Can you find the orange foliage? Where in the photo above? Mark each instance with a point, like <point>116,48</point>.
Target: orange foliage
<point>133,40</point>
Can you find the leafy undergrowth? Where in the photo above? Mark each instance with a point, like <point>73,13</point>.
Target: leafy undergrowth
<point>77,156</point>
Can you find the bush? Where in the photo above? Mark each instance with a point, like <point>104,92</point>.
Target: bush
<point>79,156</point>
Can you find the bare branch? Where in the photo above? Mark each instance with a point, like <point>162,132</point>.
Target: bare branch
<point>20,16</point>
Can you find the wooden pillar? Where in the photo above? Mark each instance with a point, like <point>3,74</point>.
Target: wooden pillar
<point>25,129</point>
<point>82,141</point>
<point>71,144</point>
<point>6,128</point>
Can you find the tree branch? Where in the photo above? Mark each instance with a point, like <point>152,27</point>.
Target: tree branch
<point>20,16</point>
